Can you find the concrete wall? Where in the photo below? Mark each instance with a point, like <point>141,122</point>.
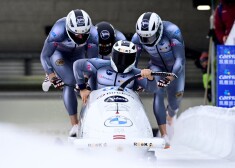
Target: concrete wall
<point>22,22</point>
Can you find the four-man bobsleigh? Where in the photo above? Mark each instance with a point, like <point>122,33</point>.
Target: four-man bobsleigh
<point>114,117</point>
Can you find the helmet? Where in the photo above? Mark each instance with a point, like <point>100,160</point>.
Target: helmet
<point>123,56</point>
<point>78,25</point>
<point>149,28</point>
<point>106,37</point>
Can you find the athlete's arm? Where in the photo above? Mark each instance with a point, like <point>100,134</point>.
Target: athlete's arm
<point>147,81</point>
<point>48,49</point>
<point>79,67</point>
<point>176,41</point>
<point>92,44</point>
<point>56,35</point>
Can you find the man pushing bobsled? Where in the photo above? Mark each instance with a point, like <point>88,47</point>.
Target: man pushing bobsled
<point>113,72</point>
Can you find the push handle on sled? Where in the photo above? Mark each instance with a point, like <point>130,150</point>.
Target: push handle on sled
<point>163,74</point>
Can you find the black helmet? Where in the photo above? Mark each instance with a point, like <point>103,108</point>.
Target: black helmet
<point>123,56</point>
<point>106,37</point>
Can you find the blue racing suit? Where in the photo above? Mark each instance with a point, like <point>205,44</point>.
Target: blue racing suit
<point>119,36</point>
<point>168,55</point>
<point>105,76</point>
<point>58,55</point>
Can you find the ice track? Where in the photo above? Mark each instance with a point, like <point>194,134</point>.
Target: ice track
<point>31,137</point>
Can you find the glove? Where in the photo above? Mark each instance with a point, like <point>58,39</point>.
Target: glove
<point>163,82</point>
<point>87,87</point>
<point>140,89</point>
<point>57,82</point>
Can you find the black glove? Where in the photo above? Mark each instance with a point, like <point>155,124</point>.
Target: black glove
<point>77,88</point>
<point>140,89</point>
<point>163,82</point>
<point>57,82</point>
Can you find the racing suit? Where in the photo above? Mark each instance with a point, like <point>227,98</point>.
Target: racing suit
<point>168,55</point>
<point>58,55</point>
<point>105,76</point>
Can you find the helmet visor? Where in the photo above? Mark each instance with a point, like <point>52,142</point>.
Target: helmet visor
<point>148,40</point>
<point>152,39</point>
<point>123,60</point>
<point>105,49</point>
<point>79,38</point>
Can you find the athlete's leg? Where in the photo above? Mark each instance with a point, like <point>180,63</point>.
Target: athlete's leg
<point>63,68</point>
<point>158,104</point>
<point>175,94</point>
<point>70,102</point>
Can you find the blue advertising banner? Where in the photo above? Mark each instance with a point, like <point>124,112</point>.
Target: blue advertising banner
<point>225,76</point>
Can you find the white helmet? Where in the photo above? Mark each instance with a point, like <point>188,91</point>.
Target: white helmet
<point>149,28</point>
<point>123,56</point>
<point>78,25</point>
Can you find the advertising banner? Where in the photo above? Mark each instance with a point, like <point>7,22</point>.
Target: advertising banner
<point>225,76</point>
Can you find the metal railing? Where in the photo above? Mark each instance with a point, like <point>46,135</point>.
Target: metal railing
<point>16,64</point>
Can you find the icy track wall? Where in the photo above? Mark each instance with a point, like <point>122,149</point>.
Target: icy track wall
<point>208,129</point>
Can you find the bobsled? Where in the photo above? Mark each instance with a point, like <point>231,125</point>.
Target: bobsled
<point>114,117</point>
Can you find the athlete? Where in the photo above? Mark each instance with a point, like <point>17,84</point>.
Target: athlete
<point>113,72</point>
<point>107,37</point>
<point>163,41</point>
<point>71,38</point>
